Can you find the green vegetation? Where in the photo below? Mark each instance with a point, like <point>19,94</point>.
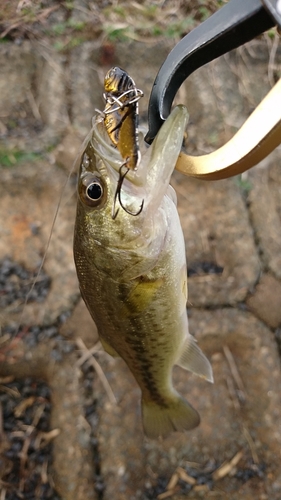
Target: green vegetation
<point>66,24</point>
<point>13,158</point>
<point>244,184</point>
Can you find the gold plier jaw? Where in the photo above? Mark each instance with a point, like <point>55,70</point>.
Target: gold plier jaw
<point>258,136</point>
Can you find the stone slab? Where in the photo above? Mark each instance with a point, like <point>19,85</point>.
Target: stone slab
<point>28,202</point>
<point>264,206</point>
<point>219,236</point>
<point>265,303</point>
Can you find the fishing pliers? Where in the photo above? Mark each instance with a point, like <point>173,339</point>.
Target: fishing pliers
<point>238,22</point>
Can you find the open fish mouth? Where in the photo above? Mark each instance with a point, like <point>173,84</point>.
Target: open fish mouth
<point>128,186</point>
<point>111,156</point>
<point>150,181</point>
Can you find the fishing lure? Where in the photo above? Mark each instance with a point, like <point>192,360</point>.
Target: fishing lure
<point>121,114</point>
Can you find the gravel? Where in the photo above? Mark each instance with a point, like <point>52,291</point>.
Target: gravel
<point>25,440</point>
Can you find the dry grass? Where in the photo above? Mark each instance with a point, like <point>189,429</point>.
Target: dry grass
<point>70,22</point>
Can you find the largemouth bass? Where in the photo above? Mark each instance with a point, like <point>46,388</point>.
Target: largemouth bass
<point>132,270</point>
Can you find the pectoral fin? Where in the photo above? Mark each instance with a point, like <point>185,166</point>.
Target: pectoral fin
<point>141,295</point>
<point>109,349</point>
<point>193,360</point>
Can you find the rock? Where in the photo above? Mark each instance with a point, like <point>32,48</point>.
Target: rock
<point>34,109</point>
<point>73,459</point>
<point>217,231</point>
<point>86,85</point>
<point>68,151</point>
<point>25,236</point>
<point>265,303</point>
<point>51,92</point>
<point>265,215</point>
<point>15,90</point>
<point>80,325</point>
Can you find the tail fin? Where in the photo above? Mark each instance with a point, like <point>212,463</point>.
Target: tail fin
<point>178,415</point>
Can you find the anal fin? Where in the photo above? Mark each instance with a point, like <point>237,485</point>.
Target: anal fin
<point>193,360</point>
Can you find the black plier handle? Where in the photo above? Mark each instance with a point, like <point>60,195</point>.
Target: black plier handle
<point>236,23</point>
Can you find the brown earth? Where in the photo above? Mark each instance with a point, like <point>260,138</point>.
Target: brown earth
<point>232,232</point>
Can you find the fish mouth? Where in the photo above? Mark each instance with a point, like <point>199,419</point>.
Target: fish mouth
<point>127,186</point>
<point>146,185</point>
<point>112,158</point>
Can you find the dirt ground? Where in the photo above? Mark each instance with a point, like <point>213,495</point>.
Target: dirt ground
<point>70,424</point>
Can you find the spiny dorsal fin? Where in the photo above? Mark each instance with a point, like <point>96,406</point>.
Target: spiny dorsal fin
<point>193,360</point>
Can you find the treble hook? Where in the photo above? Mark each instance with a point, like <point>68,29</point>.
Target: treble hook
<point>118,195</point>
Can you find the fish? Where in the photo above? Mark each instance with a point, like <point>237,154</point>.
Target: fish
<point>121,114</point>
<point>132,270</point>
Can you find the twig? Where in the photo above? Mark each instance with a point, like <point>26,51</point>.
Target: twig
<point>23,405</point>
<point>1,423</point>
<point>12,392</point>
<point>3,493</point>
<point>7,380</point>
<point>165,494</point>
<point>44,438</point>
<point>44,472</point>
<point>173,481</point>
<point>10,28</point>
<point>201,487</point>
<point>23,4</point>
<point>233,393</point>
<point>272,57</point>
<point>33,105</point>
<point>227,467</point>
<point>88,354</point>
<point>179,473</point>
<point>251,444</point>
<point>103,380</point>
<point>234,372</point>
<point>38,414</point>
<point>99,371</point>
<point>23,459</point>
<point>185,477</point>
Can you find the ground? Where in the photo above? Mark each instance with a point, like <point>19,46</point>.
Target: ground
<point>70,424</point>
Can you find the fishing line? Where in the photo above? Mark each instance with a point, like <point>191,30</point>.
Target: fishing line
<point>58,207</point>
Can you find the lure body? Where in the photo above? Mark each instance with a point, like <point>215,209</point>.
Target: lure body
<point>132,271</point>
<point>122,115</point>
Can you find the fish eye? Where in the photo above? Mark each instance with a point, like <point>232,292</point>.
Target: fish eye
<point>92,191</point>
